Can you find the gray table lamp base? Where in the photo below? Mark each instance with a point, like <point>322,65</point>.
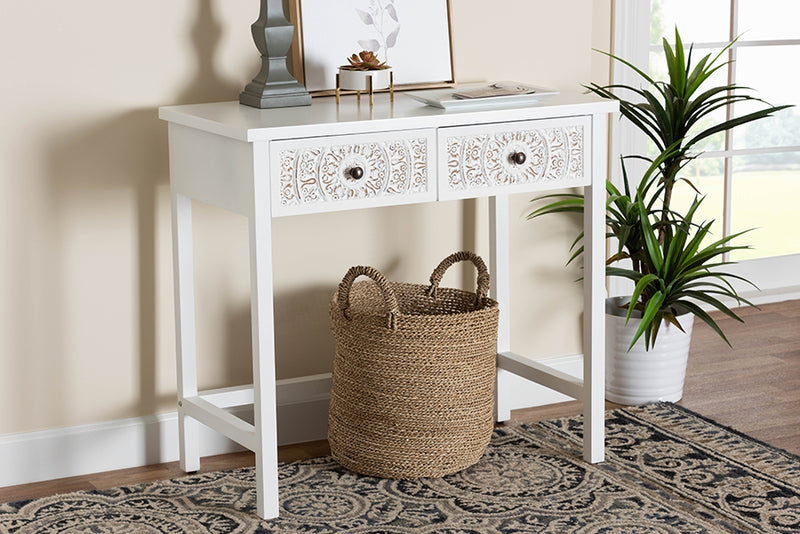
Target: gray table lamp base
<point>273,87</point>
<point>275,95</point>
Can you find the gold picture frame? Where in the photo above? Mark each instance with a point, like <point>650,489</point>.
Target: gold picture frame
<point>321,80</point>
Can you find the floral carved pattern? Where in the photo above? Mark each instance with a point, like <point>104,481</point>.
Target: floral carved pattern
<point>323,173</point>
<point>551,154</point>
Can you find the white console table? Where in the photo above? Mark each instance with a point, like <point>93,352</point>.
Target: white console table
<point>291,161</point>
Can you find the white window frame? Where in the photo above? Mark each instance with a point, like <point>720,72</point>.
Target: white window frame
<point>778,278</point>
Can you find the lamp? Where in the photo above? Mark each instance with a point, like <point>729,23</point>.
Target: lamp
<point>273,86</point>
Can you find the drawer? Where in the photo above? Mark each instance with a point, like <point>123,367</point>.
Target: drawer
<point>514,157</point>
<point>352,171</point>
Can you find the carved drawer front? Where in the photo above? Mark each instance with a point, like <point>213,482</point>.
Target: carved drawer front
<point>352,171</point>
<point>514,157</point>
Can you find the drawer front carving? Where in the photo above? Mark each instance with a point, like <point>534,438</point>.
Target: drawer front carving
<point>347,172</point>
<point>514,157</point>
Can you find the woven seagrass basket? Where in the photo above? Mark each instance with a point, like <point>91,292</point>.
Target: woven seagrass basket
<point>414,374</point>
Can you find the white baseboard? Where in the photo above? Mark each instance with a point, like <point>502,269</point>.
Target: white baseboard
<point>80,450</point>
<point>302,416</point>
<point>771,296</point>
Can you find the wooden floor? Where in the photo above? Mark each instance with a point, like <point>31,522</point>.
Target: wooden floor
<point>754,388</point>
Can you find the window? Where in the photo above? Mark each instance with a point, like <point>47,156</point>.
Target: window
<point>750,175</point>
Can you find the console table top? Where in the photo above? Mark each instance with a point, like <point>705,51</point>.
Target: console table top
<point>325,117</point>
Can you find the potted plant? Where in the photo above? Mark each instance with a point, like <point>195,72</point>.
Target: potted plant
<point>360,69</point>
<point>675,267</point>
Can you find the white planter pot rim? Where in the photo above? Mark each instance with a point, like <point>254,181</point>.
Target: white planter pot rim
<point>618,307</point>
<point>356,80</point>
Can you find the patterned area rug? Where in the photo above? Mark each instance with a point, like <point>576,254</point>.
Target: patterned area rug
<point>668,471</point>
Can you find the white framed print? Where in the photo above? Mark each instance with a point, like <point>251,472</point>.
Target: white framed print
<point>412,36</point>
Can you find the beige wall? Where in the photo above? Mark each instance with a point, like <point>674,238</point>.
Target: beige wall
<point>86,325</point>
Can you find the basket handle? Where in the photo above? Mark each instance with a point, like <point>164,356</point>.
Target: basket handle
<point>482,289</point>
<point>383,284</point>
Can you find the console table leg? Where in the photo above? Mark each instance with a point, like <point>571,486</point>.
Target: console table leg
<point>183,272</point>
<point>263,336</point>
<point>501,291</point>
<point>594,300</point>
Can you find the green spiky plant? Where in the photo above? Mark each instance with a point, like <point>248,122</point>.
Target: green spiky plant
<point>671,269</point>
<point>671,112</point>
<point>678,272</point>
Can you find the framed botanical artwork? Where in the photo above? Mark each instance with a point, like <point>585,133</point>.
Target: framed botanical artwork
<point>412,36</point>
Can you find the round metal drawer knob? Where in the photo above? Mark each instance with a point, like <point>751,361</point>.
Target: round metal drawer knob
<point>356,173</point>
<point>518,158</point>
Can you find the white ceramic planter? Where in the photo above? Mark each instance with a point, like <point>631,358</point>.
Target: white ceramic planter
<point>356,80</point>
<point>638,376</point>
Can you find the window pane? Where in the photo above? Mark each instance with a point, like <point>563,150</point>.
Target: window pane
<point>697,21</point>
<point>706,175</point>
<point>765,193</point>
<point>756,68</point>
<point>769,19</point>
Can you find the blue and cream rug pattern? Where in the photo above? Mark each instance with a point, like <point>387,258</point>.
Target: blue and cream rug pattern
<point>667,471</point>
